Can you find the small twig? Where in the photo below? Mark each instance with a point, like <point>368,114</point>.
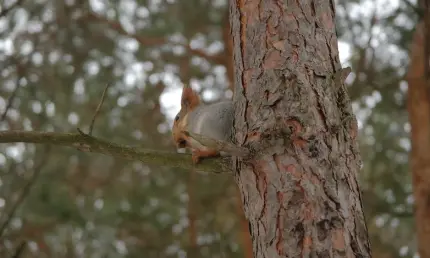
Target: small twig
<point>10,100</point>
<point>19,73</point>
<point>7,10</point>
<point>20,250</point>
<point>24,193</point>
<point>416,9</point>
<point>98,108</point>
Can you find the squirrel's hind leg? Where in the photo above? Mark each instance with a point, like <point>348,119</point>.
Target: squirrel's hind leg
<point>198,154</point>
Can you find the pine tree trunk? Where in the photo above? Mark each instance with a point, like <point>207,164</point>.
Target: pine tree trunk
<point>228,57</point>
<point>244,230</point>
<point>419,117</point>
<point>300,190</point>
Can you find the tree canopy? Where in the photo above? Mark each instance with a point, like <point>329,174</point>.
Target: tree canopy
<point>57,58</point>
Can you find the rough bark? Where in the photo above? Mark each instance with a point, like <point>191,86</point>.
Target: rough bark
<point>228,44</point>
<point>300,190</point>
<point>244,229</point>
<point>418,103</point>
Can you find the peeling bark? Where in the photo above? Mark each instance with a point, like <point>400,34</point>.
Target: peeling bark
<point>418,103</point>
<point>300,190</point>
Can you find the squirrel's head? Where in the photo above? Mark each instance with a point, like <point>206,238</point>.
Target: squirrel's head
<point>189,101</point>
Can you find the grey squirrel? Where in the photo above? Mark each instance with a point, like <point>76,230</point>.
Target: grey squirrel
<point>214,121</point>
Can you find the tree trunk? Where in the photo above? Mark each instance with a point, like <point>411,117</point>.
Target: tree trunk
<point>228,44</point>
<point>244,229</point>
<point>419,117</point>
<point>299,190</point>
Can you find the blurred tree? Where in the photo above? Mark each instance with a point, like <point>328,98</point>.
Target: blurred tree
<point>56,58</point>
<point>419,113</point>
<point>378,34</point>
<point>419,117</point>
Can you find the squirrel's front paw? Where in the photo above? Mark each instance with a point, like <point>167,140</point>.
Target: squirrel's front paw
<point>198,154</point>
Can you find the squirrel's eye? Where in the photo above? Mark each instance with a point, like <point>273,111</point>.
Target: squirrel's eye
<point>176,118</point>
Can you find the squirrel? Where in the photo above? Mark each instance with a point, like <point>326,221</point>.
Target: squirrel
<point>214,121</point>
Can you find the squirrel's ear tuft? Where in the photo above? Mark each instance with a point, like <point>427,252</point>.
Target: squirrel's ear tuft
<point>189,99</point>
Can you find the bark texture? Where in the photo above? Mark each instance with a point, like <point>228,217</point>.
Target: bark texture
<point>419,118</point>
<point>299,190</point>
<point>244,229</point>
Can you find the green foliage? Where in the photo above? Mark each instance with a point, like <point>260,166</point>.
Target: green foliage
<point>61,55</point>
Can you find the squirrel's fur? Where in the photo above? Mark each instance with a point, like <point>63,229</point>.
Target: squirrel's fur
<point>214,121</point>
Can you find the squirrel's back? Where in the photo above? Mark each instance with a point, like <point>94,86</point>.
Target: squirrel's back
<point>214,121</point>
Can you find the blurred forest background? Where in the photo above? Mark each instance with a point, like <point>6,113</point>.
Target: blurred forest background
<point>56,58</point>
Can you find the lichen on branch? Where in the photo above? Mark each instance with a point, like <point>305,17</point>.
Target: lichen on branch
<point>87,143</point>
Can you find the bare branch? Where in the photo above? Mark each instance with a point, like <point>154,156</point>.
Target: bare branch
<point>419,11</point>
<point>24,193</point>
<point>10,101</point>
<point>87,143</point>
<point>217,59</point>
<point>5,11</point>
<point>19,73</point>
<point>116,26</point>
<point>152,41</point>
<point>20,250</point>
<point>98,108</point>
<point>218,145</point>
